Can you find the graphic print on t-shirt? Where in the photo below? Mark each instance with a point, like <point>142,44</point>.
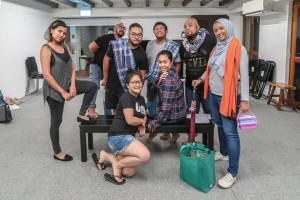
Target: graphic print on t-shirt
<point>140,109</point>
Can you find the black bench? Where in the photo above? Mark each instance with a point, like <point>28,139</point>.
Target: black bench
<point>104,122</point>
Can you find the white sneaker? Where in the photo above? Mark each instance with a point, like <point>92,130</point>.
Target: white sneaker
<point>226,181</point>
<point>219,156</point>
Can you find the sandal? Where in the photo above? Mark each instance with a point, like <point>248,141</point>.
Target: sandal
<point>100,166</point>
<point>84,121</point>
<point>93,114</point>
<point>165,136</point>
<point>112,179</point>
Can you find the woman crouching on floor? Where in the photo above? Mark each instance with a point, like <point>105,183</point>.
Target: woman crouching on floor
<point>130,118</point>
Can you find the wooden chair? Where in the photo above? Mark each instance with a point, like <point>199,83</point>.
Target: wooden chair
<point>290,95</point>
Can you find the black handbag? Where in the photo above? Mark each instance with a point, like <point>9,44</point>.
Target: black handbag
<point>5,113</point>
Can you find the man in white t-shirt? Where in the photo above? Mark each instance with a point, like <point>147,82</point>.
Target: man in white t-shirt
<point>161,42</point>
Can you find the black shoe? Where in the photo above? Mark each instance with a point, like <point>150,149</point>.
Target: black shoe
<point>90,121</point>
<point>67,158</point>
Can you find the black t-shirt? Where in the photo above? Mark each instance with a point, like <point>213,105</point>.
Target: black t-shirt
<point>103,43</point>
<point>141,62</point>
<point>119,125</point>
<point>196,62</point>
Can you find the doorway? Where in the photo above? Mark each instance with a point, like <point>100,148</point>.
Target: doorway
<point>294,76</point>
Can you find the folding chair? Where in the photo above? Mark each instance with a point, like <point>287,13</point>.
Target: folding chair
<point>253,68</point>
<point>32,73</point>
<point>262,76</point>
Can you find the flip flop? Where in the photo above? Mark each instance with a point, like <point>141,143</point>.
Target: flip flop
<point>111,178</point>
<point>100,166</point>
<point>165,136</point>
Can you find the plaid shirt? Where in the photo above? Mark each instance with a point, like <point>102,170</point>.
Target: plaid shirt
<point>123,58</point>
<point>170,101</point>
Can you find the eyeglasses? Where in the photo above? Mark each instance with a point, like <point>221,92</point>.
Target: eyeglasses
<point>136,35</point>
<point>136,82</point>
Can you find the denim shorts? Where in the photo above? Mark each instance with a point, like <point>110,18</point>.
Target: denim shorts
<point>119,143</point>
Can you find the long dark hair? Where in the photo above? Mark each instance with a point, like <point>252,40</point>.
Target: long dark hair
<point>55,24</point>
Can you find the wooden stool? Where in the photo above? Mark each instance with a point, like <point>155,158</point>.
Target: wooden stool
<point>291,93</point>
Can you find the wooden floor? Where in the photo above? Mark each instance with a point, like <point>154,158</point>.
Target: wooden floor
<point>82,73</point>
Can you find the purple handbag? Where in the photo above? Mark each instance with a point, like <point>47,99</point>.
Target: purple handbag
<point>246,121</point>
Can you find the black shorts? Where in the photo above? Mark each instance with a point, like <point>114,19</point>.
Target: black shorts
<point>112,97</point>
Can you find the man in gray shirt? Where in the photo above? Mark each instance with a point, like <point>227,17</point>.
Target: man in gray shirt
<point>161,42</point>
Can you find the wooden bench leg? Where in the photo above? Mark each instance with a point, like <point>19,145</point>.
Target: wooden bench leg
<point>204,139</point>
<point>292,96</point>
<point>208,140</point>
<point>271,95</point>
<point>211,140</point>
<point>90,141</point>
<point>83,147</point>
<point>281,99</point>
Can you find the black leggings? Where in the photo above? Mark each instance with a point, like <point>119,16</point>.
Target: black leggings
<point>56,109</point>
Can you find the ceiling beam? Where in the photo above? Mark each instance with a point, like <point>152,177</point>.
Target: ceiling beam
<point>88,3</point>
<point>108,3</point>
<point>128,3</point>
<point>147,3</point>
<point>204,2</point>
<point>224,2</point>
<point>166,3</point>
<point>68,3</point>
<point>186,2</point>
<point>48,3</point>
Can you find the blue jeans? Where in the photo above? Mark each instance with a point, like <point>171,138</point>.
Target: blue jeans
<point>151,108</point>
<point>119,143</point>
<point>199,99</point>
<point>96,75</point>
<point>228,136</point>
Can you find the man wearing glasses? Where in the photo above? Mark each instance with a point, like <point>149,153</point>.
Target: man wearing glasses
<point>98,48</point>
<point>123,55</point>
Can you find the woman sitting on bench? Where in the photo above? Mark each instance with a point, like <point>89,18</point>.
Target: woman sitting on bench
<point>130,118</point>
<point>170,97</point>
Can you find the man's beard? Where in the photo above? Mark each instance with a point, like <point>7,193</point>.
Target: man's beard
<point>133,44</point>
<point>190,37</point>
<point>120,35</point>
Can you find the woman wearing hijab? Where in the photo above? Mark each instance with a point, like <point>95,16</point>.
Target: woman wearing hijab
<point>227,84</point>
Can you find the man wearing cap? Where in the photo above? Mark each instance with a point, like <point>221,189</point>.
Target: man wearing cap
<point>98,48</point>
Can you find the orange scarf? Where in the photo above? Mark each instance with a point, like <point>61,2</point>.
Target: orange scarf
<point>232,64</point>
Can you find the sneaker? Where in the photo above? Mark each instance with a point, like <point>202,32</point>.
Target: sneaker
<point>219,156</point>
<point>226,181</point>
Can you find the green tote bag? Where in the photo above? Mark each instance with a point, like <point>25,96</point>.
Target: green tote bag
<point>197,166</point>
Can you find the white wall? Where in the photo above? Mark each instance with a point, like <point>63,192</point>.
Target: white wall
<point>274,41</point>
<point>21,36</point>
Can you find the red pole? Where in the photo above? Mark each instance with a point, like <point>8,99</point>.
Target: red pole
<point>193,111</point>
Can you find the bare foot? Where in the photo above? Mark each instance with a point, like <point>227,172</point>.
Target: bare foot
<point>102,159</point>
<point>185,141</point>
<point>60,155</point>
<point>165,136</point>
<point>150,138</point>
<point>117,172</point>
<point>174,138</point>
<point>92,112</point>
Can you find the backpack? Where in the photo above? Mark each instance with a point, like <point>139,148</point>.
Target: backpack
<point>5,113</point>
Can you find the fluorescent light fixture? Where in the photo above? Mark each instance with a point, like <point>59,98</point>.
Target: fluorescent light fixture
<point>85,11</point>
